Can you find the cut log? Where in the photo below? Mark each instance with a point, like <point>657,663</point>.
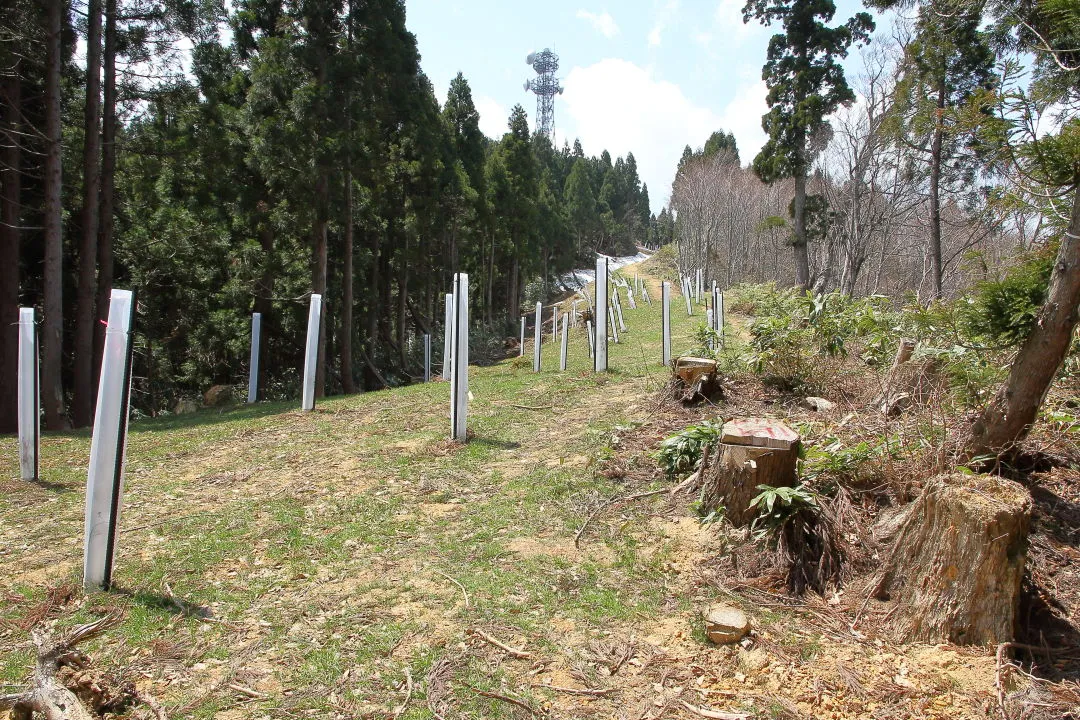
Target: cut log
<point>955,567</point>
<point>694,378</point>
<point>751,452</point>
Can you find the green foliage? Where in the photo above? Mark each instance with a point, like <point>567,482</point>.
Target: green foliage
<point>777,506</point>
<point>682,452</point>
<point>793,330</point>
<point>1003,312</point>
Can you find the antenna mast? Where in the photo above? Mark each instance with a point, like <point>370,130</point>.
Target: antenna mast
<point>546,86</point>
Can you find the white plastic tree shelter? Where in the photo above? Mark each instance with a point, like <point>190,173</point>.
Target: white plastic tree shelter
<point>448,336</point>
<point>459,383</point>
<point>697,294</point>
<point>522,353</point>
<point>630,298</point>
<point>105,475</point>
<point>538,336</point>
<point>711,326</point>
<point>565,338</point>
<point>665,319</point>
<point>614,327</point>
<point>720,314</point>
<point>427,357</point>
<point>29,400</point>
<point>589,334</point>
<point>600,355</point>
<point>618,311</point>
<point>686,296</point>
<point>645,294</point>
<point>253,363</point>
<point>311,352</point>
<point>554,324</point>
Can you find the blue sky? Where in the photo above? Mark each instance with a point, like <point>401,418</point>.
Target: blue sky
<point>648,76</point>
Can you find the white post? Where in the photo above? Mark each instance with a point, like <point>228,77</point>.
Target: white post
<point>565,339</point>
<point>311,353</point>
<point>720,316</point>
<point>686,296</point>
<point>448,336</point>
<point>645,294</point>
<point>665,319</point>
<point>427,357</point>
<point>630,298</point>
<point>589,334</point>
<point>253,364</point>
<point>699,287</point>
<point>522,353</point>
<point>554,324</point>
<point>600,290</point>
<point>105,475</point>
<point>538,336</point>
<point>618,310</point>
<point>29,396</point>
<point>614,327</point>
<point>459,388</point>
<point>709,324</point>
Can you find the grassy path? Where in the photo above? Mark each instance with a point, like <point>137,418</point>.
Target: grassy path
<point>353,563</point>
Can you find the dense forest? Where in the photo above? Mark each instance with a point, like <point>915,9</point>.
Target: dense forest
<point>228,158</point>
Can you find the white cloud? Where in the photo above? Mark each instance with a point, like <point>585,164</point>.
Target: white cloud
<point>603,23</point>
<point>617,106</point>
<point>664,14</point>
<point>493,116</point>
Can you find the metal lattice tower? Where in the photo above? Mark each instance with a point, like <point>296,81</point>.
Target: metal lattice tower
<point>546,86</point>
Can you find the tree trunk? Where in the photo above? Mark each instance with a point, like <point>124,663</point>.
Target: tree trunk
<point>802,253</point>
<point>106,220</point>
<point>936,270</point>
<point>957,561</point>
<point>10,190</point>
<point>751,452</point>
<point>82,405</point>
<point>52,384</point>
<point>1008,417</point>
<point>348,385</point>
<point>318,271</point>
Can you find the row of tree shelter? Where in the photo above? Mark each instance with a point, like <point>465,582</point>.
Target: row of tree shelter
<point>105,473</point>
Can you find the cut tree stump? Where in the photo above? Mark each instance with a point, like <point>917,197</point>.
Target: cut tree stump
<point>694,378</point>
<point>957,561</point>
<point>751,452</point>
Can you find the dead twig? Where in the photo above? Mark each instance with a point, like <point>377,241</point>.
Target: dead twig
<point>408,694</point>
<point>591,692</point>
<point>460,586</point>
<point>512,651</point>
<point>244,690</point>
<point>718,714</point>
<point>506,698</point>
<point>609,503</point>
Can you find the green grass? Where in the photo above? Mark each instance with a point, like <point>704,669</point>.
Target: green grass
<point>309,545</point>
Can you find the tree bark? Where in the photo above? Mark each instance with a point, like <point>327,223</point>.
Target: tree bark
<point>106,220</point>
<point>936,271</point>
<point>82,406</point>
<point>957,561</point>
<point>348,385</point>
<point>802,253</point>
<point>318,270</point>
<point>10,191</point>
<point>1008,418</point>
<point>52,384</point>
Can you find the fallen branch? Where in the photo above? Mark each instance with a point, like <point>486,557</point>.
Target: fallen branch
<point>512,651</point>
<point>525,407</point>
<point>506,698</point>
<point>718,714</point>
<point>46,695</point>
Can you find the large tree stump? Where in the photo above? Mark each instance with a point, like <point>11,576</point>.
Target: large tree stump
<point>957,561</point>
<point>751,452</point>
